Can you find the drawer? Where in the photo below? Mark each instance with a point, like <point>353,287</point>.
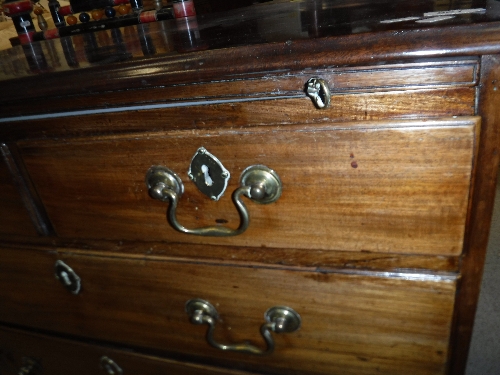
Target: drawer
<point>439,88</point>
<point>55,356</point>
<point>393,186</point>
<point>363,323</point>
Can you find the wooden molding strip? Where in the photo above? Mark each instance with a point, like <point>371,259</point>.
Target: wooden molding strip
<point>27,192</point>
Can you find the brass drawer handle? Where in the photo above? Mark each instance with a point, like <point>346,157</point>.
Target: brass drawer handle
<point>259,183</point>
<point>279,319</point>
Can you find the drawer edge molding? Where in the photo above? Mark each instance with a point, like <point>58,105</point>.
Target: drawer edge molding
<point>26,190</point>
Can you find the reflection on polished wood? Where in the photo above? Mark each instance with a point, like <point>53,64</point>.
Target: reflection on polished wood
<point>217,26</point>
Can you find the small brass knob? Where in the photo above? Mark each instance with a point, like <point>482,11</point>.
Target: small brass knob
<point>317,89</point>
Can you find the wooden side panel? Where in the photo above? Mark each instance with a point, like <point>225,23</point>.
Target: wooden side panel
<point>481,211</point>
<point>351,324</point>
<point>398,187</point>
<point>14,218</point>
<point>62,357</point>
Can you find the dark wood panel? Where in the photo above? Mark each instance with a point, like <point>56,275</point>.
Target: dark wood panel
<point>62,357</point>
<point>14,218</point>
<point>274,84</point>
<point>442,73</point>
<point>481,211</point>
<point>351,324</point>
<point>399,187</point>
<point>345,107</point>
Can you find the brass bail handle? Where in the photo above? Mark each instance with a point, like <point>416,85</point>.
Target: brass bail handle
<point>258,183</point>
<point>278,319</point>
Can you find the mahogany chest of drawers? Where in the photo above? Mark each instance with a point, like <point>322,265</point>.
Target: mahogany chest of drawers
<point>180,215</point>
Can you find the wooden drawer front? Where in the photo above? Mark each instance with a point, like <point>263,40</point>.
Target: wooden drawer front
<point>351,324</point>
<point>433,88</point>
<point>62,357</point>
<point>393,186</point>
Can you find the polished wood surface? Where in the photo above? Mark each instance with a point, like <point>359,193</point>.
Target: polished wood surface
<point>378,239</point>
<point>242,255</point>
<point>351,323</point>
<point>370,106</point>
<point>62,357</point>
<point>399,187</point>
<point>246,61</point>
<point>282,25</point>
<point>390,79</point>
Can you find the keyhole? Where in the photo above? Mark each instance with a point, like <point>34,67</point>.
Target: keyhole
<point>208,179</point>
<point>66,280</point>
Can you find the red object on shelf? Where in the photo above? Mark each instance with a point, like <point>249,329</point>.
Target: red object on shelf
<point>184,9</point>
<point>11,9</point>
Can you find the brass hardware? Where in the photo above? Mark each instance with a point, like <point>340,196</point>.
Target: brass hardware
<point>278,319</point>
<point>30,367</point>
<point>68,277</point>
<point>110,366</point>
<point>208,174</point>
<point>265,184</point>
<point>317,89</point>
<point>259,183</point>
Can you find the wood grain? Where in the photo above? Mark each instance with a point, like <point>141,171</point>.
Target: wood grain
<point>273,84</point>
<point>348,106</point>
<point>138,277</point>
<point>61,357</point>
<point>239,255</point>
<point>399,187</point>
<point>351,324</point>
